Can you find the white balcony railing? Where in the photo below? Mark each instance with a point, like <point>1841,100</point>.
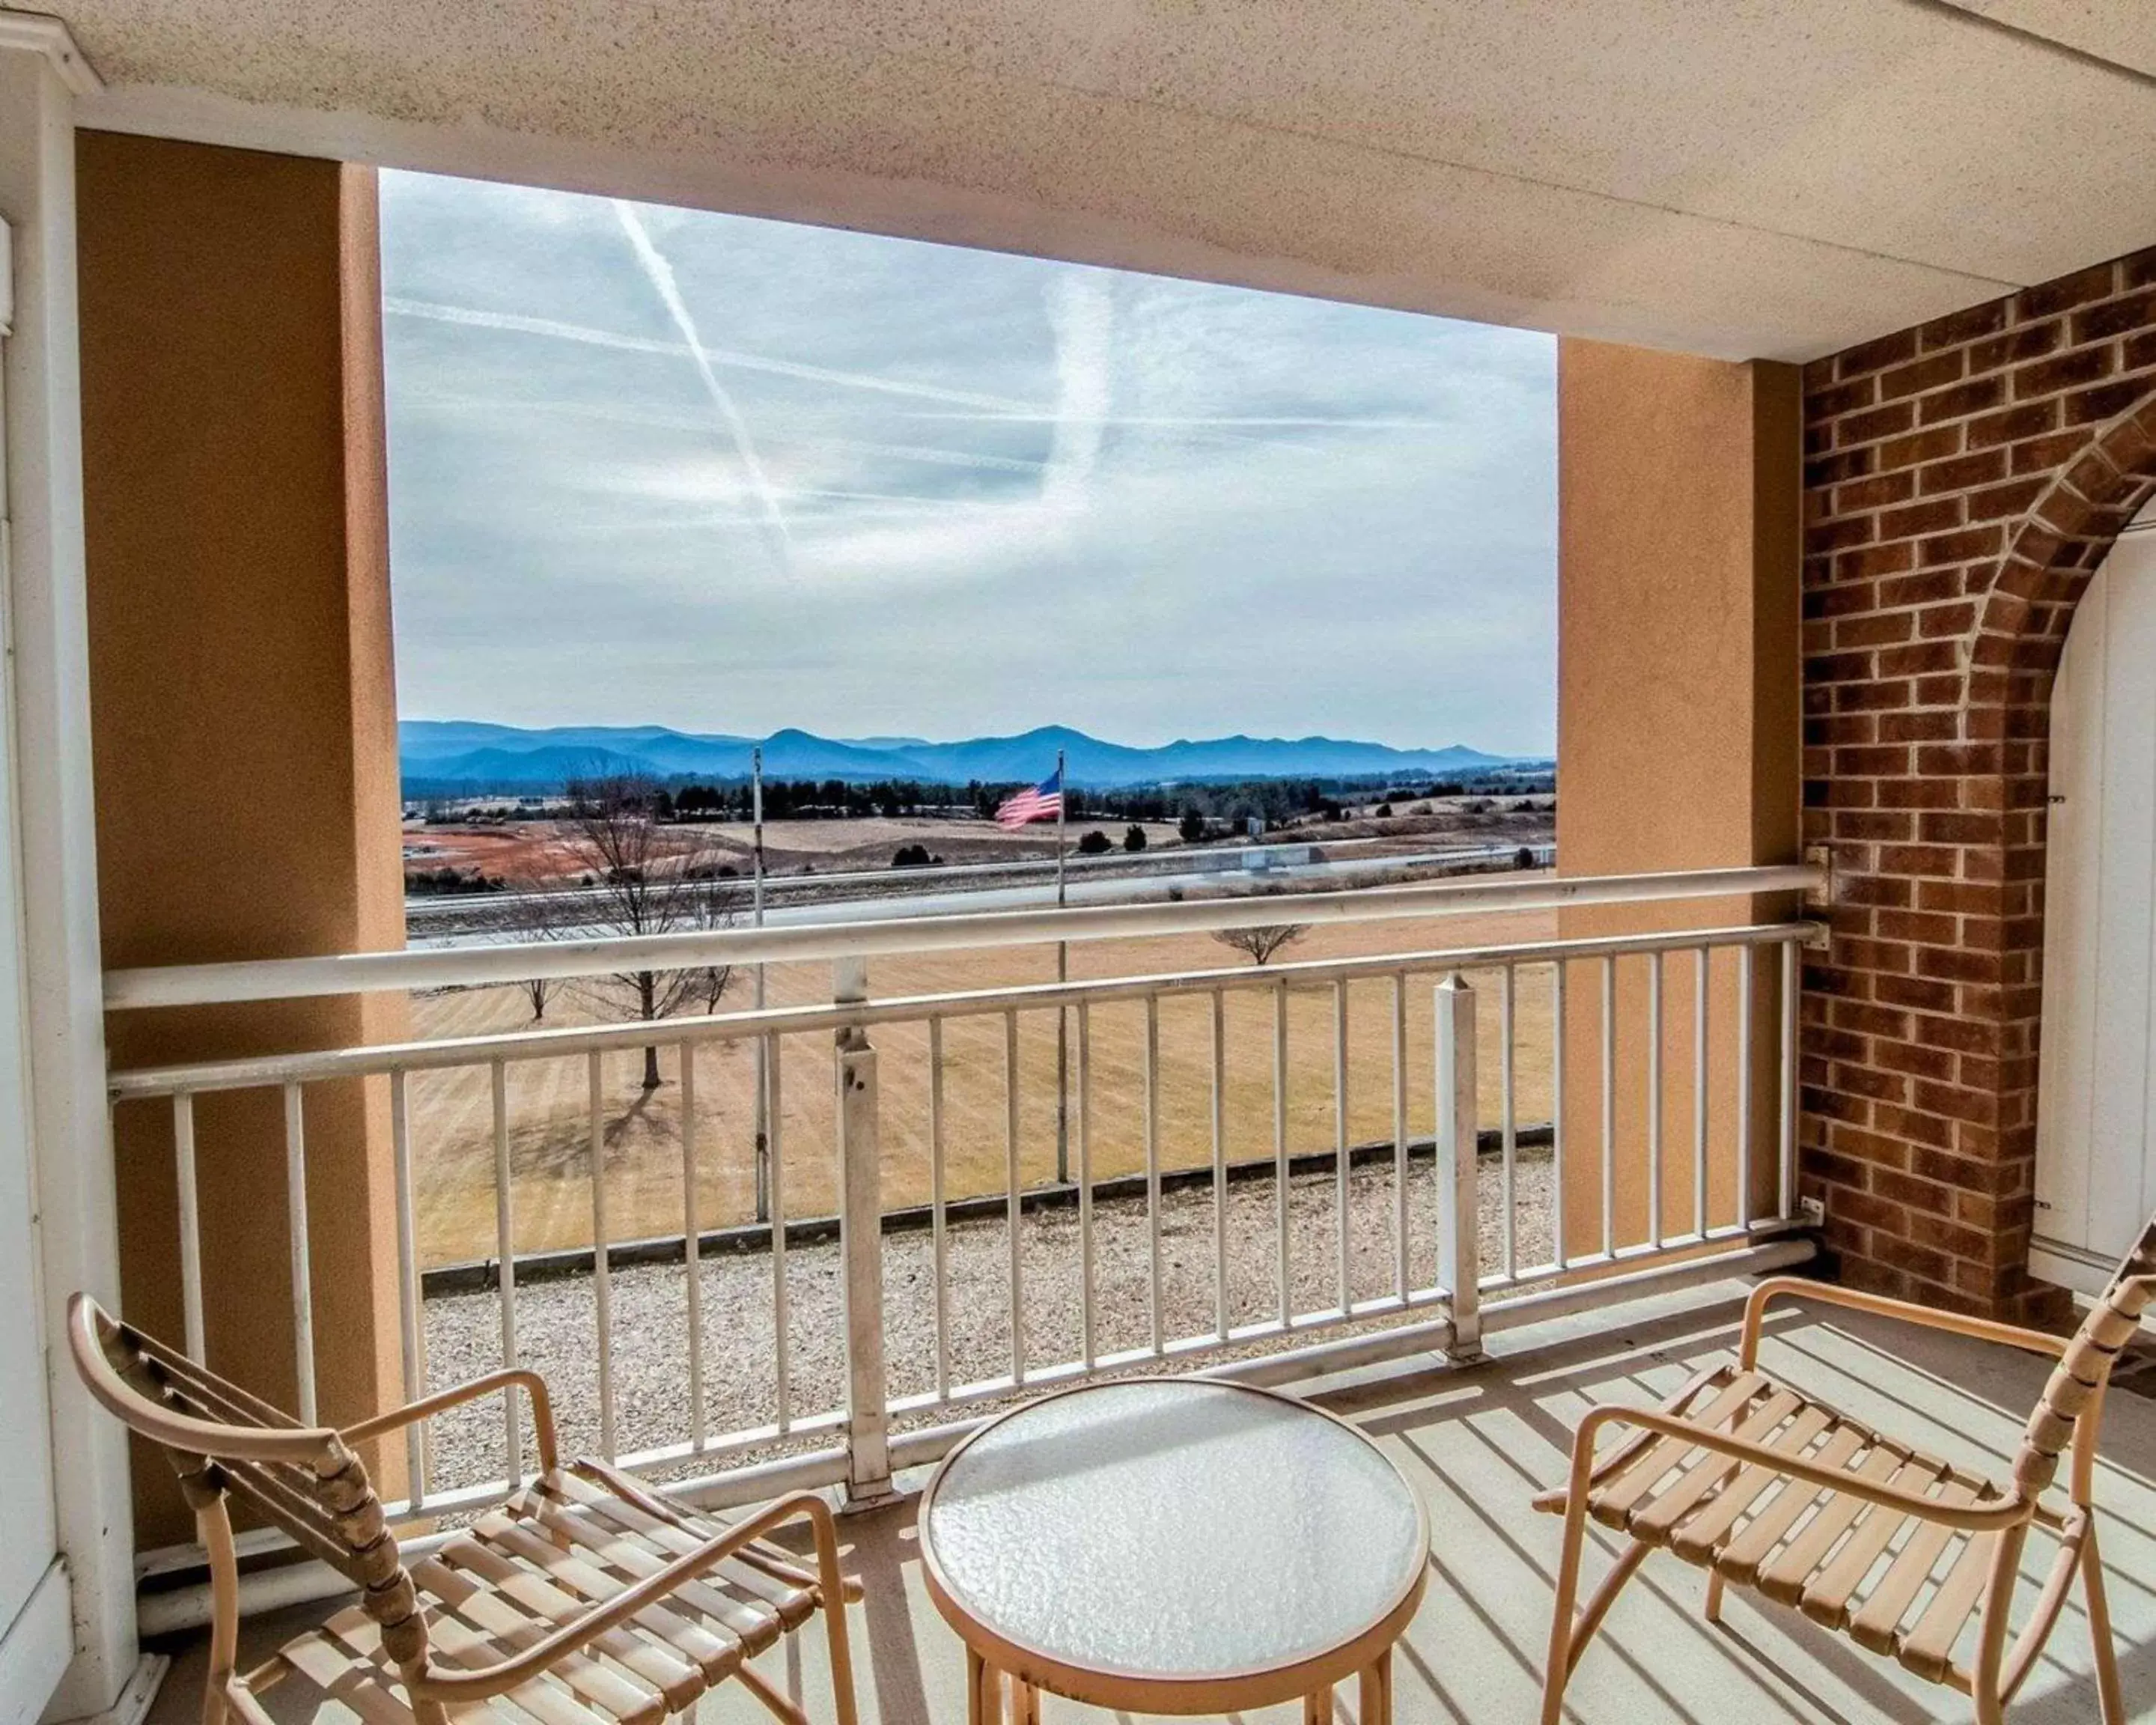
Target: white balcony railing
<point>849,1426</point>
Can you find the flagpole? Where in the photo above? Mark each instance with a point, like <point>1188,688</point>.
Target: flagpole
<point>762,1079</point>
<point>1062,975</point>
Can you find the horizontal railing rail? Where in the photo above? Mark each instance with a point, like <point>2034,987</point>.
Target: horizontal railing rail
<point>369,1059</point>
<point>511,962</point>
<point>1662,1128</point>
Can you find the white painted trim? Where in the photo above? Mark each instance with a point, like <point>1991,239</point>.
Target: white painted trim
<point>54,908</point>
<point>38,33</point>
<point>132,1704</point>
<point>2067,1267</point>
<point>34,1649</point>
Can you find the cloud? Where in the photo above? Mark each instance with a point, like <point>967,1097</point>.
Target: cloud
<point>1013,492</point>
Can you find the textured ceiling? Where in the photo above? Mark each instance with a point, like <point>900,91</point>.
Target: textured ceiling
<point>1737,177</point>
<point>2121,31</point>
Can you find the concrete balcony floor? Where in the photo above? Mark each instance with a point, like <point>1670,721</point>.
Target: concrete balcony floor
<point>1478,1445</point>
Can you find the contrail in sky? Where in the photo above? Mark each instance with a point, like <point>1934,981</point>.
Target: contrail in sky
<point>777,433</point>
<point>517,323</point>
<point>1082,313</point>
<point>661,274</point>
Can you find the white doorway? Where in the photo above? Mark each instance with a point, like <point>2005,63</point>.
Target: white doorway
<point>2095,1117</point>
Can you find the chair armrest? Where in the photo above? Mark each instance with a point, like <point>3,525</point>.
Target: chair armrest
<point>1930,1317</point>
<point>477,1683</point>
<point>514,1378</point>
<point>1968,1518</point>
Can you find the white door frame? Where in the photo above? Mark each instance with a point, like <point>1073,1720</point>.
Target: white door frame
<point>2088,1049</point>
<point>75,1233</point>
<point>36,1638</point>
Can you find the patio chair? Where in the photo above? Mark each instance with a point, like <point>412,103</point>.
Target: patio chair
<point>587,1599</point>
<point>1909,1555</point>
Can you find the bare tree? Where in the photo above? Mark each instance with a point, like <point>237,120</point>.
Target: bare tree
<point>711,982</point>
<point>634,873</point>
<point>1261,943</point>
<point>532,910</point>
<point>538,990</point>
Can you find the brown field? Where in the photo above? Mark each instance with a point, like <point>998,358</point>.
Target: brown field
<point>548,1106</point>
<point>541,850</point>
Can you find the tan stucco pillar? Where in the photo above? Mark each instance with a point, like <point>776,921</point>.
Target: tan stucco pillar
<point>1678,724</point>
<point>243,717</point>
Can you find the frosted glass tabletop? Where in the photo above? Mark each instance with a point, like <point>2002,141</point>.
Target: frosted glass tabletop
<point>1173,1529</point>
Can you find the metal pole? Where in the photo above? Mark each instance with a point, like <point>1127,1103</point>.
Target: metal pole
<point>861,1248</point>
<point>762,1078</point>
<point>1062,975</point>
<point>1459,1123</point>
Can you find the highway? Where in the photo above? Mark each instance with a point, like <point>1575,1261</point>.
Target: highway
<point>445,921</point>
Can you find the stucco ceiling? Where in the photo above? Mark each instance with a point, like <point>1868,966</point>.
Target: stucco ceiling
<point>1737,177</point>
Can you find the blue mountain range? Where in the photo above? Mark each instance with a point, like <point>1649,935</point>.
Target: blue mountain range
<point>464,754</point>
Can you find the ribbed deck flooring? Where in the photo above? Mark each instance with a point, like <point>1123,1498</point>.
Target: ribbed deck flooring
<point>1479,1446</point>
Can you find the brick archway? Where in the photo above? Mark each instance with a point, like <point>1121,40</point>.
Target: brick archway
<point>1963,480</point>
<point>2053,553</point>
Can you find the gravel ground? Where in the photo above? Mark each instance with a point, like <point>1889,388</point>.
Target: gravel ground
<point>556,1327</point>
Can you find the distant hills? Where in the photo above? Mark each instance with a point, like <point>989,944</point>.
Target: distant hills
<point>458,755</point>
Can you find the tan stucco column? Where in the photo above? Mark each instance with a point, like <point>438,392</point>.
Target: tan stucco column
<point>243,718</point>
<point>1678,723</point>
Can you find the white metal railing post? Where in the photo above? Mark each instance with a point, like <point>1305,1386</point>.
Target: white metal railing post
<point>860,1234</point>
<point>1459,1207</point>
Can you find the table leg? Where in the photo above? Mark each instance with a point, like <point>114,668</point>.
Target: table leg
<point>1317,1709</point>
<point>1376,1707</point>
<point>984,1699</point>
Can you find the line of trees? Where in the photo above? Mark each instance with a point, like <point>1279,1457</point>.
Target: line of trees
<point>1227,803</point>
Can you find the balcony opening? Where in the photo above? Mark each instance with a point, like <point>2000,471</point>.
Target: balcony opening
<point>679,498</point>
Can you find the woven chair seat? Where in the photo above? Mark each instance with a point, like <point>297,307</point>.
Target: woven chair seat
<point>573,1538</point>
<point>1897,1584</point>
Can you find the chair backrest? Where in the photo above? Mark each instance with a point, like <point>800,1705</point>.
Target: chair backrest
<point>219,1439</point>
<point>2085,1367</point>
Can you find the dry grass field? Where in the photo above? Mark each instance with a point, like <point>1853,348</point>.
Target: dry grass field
<point>548,1109</point>
<point>543,850</point>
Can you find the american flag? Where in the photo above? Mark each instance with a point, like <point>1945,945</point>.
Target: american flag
<point>1043,802</point>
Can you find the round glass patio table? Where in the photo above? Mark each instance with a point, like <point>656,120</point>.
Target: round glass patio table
<point>1174,1546</point>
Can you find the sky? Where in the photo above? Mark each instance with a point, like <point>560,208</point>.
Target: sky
<point>659,466</point>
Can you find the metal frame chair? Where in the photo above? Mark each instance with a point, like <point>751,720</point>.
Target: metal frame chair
<point>589,1598</point>
<point>1777,1492</point>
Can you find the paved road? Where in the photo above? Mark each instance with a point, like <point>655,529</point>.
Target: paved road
<point>457,922</point>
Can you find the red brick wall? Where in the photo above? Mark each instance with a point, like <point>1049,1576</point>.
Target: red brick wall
<point>1962,481</point>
